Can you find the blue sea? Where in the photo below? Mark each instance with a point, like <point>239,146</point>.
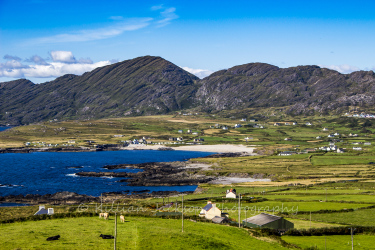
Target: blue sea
<point>51,172</point>
<point>3,128</point>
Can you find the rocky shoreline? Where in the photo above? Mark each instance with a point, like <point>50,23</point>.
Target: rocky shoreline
<point>70,198</point>
<point>150,174</point>
<point>155,174</point>
<point>61,149</point>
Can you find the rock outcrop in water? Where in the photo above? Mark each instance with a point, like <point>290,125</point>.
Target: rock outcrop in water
<point>154,174</point>
<point>57,198</point>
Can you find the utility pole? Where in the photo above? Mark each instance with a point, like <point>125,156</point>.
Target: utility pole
<point>352,234</point>
<point>115,230</point>
<point>239,210</point>
<point>326,195</point>
<point>325,241</point>
<point>182,215</point>
<point>310,219</point>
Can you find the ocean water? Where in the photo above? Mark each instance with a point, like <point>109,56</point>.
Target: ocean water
<point>51,172</point>
<point>3,128</point>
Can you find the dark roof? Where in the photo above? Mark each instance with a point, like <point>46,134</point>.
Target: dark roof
<point>208,207</point>
<point>262,219</point>
<point>218,219</point>
<point>41,211</point>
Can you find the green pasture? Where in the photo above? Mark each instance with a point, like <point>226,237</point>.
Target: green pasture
<point>363,217</point>
<point>135,233</point>
<point>322,197</point>
<point>332,242</point>
<point>342,160</point>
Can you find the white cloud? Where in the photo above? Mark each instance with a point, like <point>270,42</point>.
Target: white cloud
<point>9,57</point>
<point>168,15</point>
<point>63,63</point>
<point>117,18</point>
<point>201,73</point>
<point>55,69</point>
<point>157,7</point>
<point>37,60</point>
<point>96,34</point>
<point>62,56</point>
<point>343,68</point>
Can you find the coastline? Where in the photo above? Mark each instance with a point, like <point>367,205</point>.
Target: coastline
<point>218,148</point>
<point>171,173</point>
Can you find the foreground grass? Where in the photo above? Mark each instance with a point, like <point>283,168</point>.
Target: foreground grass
<point>332,242</point>
<point>135,233</point>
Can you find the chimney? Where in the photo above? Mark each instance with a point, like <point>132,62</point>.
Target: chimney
<point>41,207</point>
<point>50,211</point>
<point>209,202</point>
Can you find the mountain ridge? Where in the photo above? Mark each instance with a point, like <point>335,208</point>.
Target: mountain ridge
<point>152,85</point>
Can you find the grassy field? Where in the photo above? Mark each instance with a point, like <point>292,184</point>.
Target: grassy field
<point>332,242</point>
<point>135,233</point>
<point>357,218</point>
<point>305,182</point>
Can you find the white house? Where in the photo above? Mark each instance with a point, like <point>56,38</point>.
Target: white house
<point>210,211</point>
<point>308,123</point>
<point>357,148</point>
<point>340,150</point>
<point>287,153</point>
<point>318,137</point>
<point>225,128</point>
<point>43,210</point>
<point>237,125</point>
<point>231,194</point>
<point>325,129</point>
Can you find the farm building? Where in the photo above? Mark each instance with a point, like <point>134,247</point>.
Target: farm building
<point>220,220</point>
<point>43,210</point>
<point>264,220</point>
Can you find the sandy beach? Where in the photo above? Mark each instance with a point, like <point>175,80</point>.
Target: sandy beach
<point>221,148</point>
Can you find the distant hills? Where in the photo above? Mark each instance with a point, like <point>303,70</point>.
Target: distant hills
<point>151,85</point>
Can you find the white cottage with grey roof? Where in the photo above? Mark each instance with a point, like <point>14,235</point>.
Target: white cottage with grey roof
<point>43,210</point>
<point>210,211</point>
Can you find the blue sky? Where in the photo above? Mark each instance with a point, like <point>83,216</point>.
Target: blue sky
<point>41,39</point>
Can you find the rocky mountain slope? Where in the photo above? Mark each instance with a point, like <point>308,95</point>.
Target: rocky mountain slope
<point>144,85</point>
<point>304,89</point>
<point>152,85</point>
